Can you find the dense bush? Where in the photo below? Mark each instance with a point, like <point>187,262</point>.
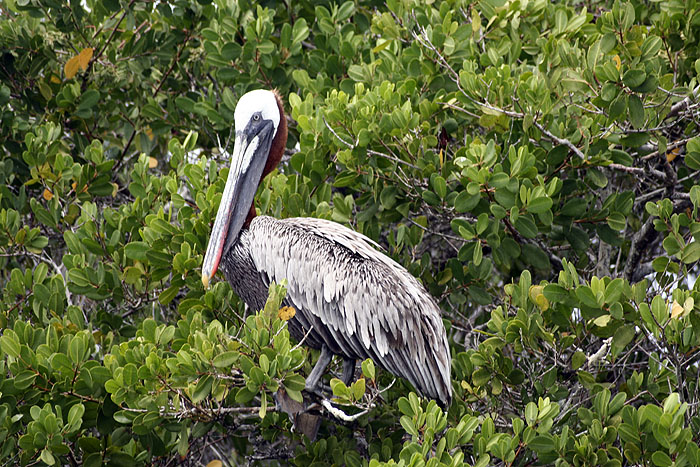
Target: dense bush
<point>533,163</point>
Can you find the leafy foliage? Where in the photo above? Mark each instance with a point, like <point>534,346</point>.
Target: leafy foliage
<point>534,163</point>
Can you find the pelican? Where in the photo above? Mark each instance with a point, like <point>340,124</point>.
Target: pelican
<point>350,299</point>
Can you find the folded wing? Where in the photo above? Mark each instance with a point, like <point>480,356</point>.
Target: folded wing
<point>358,301</point>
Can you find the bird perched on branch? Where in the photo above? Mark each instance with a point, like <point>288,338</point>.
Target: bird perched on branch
<point>351,300</point>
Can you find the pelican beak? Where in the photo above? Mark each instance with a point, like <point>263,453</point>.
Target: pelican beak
<point>248,160</point>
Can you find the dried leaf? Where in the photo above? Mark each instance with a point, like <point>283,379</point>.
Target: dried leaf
<point>48,196</point>
<point>80,61</point>
<point>74,185</point>
<point>676,310</point>
<point>84,57</point>
<point>672,154</point>
<point>618,62</point>
<point>55,79</point>
<point>286,313</point>
<point>152,162</point>
<point>71,67</point>
<point>215,463</point>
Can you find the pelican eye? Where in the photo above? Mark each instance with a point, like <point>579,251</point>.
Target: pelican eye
<point>256,117</point>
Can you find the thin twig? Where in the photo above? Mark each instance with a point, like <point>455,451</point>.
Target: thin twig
<point>369,151</point>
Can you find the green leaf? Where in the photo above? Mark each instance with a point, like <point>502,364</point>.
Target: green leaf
<point>478,253</point>
<point>203,388</point>
<point>185,103</point>
<point>531,413</point>
<point>228,99</point>
<point>623,336</point>
<point>47,457</point>
<point>692,160</point>
<point>9,344</point>
<point>225,359</point>
<point>577,360</point>
<point>661,459</point>
<point>358,389</point>
<point>439,185</point>
<point>136,250</point>
<point>465,202</point>
<point>634,78</point>
<point>542,444</point>
<point>368,369</point>
<point>636,111</point>
<point>618,106</point>
<point>539,205</point>
<point>691,253</point>
<point>24,379</point>
<point>167,295</point>
<point>617,221</point>
<point>405,407</point>
<point>555,293</point>
<point>575,207</point>
<point>263,406</point>
<point>345,11</point>
<point>587,297</point>
<point>613,290</point>
<point>75,415</point>
<point>526,227</point>
<point>300,31</point>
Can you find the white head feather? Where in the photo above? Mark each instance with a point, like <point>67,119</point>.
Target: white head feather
<point>260,100</point>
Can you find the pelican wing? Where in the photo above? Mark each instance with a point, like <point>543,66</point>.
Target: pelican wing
<point>359,302</point>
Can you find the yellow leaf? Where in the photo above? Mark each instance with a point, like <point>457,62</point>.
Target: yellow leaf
<point>689,304</point>
<point>618,62</point>
<point>71,67</point>
<point>442,160</point>
<point>538,297</point>
<point>542,302</point>
<point>55,79</point>
<point>152,162</point>
<point>676,310</point>
<point>672,154</point>
<point>535,290</point>
<point>602,321</point>
<point>84,57</point>
<point>74,185</point>
<point>47,194</point>
<point>215,463</point>
<point>286,313</point>
<point>116,188</point>
<point>476,21</point>
<point>80,61</point>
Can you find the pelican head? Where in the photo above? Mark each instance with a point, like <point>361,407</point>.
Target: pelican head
<point>261,134</point>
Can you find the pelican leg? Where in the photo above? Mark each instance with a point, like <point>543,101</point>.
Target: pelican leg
<point>348,370</point>
<point>313,379</point>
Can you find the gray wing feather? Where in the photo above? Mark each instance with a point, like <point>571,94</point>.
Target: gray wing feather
<point>368,305</point>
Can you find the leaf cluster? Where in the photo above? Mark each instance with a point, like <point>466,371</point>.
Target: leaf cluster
<point>533,163</point>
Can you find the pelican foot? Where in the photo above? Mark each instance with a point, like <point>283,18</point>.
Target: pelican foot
<point>312,382</point>
<point>348,370</point>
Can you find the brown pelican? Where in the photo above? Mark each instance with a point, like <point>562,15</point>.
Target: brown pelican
<point>350,299</point>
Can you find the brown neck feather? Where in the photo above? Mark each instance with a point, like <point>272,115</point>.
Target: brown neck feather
<point>276,151</point>
<point>279,142</point>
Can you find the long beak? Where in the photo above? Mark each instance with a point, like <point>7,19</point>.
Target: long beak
<point>247,163</point>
